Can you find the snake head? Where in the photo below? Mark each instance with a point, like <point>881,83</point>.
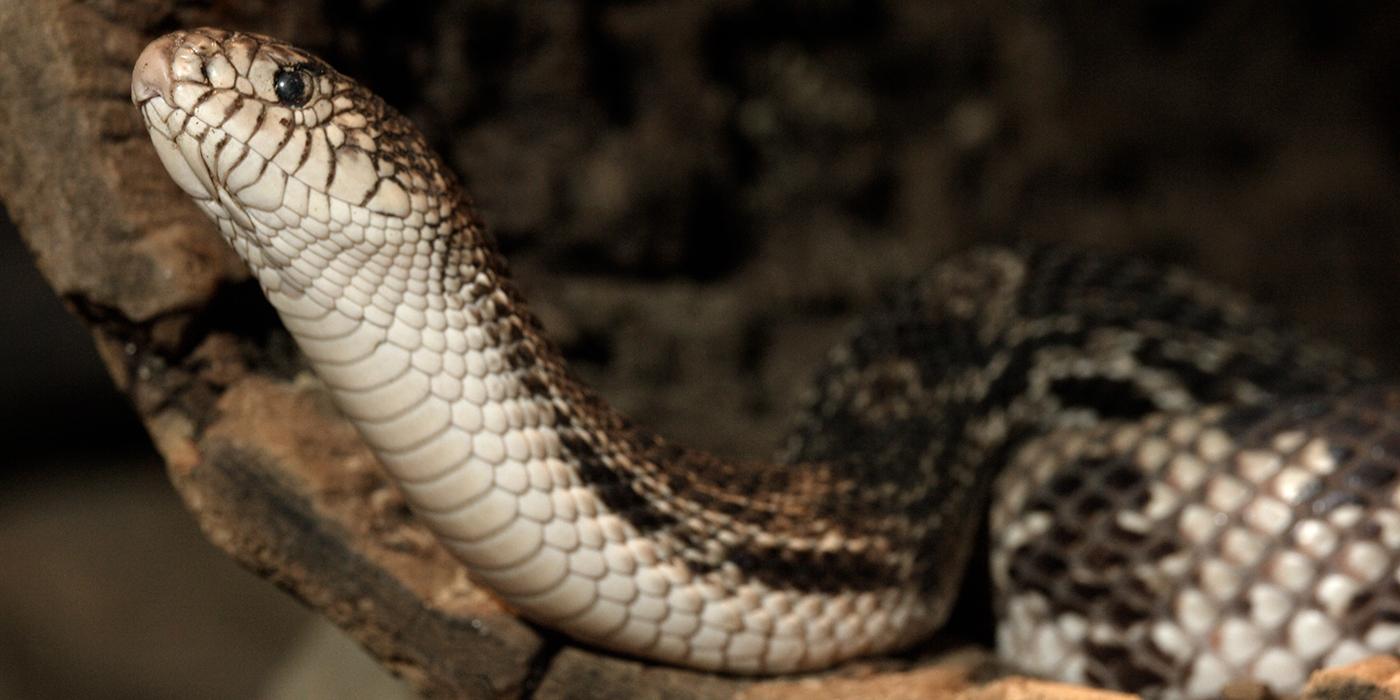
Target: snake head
<point>288,156</point>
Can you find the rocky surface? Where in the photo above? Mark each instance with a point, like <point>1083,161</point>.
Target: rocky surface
<point>697,195</point>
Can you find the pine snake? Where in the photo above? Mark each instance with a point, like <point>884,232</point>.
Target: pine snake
<point>1181,491</point>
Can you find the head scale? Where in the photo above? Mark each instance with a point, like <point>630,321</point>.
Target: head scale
<point>286,154</point>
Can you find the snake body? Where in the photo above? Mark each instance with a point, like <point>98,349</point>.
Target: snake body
<point>1181,491</point>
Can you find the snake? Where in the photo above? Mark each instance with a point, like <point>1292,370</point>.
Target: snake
<point>1175,489</point>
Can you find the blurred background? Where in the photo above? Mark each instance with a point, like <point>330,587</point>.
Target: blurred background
<point>697,196</point>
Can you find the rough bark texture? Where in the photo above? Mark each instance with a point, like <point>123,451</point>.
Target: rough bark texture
<point>697,195</point>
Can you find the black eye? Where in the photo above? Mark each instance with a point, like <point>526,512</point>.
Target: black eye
<point>291,86</point>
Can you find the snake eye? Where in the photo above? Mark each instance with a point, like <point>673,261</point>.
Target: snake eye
<point>292,86</point>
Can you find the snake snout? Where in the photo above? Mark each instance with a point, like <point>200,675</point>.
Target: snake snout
<point>178,58</point>
<point>153,76</point>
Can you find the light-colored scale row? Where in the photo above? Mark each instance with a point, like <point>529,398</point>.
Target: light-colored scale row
<point>484,470</point>
<point>483,466</point>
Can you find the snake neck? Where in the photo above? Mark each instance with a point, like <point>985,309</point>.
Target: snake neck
<point>529,477</point>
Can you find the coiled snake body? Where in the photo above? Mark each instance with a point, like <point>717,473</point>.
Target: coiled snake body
<point>1181,492</point>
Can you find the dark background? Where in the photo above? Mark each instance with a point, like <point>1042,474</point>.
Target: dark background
<point>697,196</point>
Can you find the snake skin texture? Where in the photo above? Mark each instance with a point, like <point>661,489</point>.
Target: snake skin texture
<point>1182,492</point>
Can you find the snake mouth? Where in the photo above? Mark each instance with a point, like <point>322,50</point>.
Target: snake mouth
<point>153,80</point>
<point>178,149</point>
<point>180,156</point>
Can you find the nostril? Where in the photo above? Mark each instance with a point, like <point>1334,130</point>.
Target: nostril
<point>187,63</point>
